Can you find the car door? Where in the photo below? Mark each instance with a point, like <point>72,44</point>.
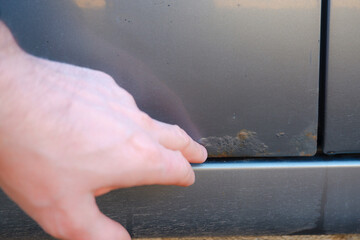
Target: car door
<point>242,78</point>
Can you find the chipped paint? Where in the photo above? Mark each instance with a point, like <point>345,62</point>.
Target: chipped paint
<point>305,142</point>
<point>245,143</point>
<point>245,134</point>
<point>311,136</point>
<point>222,155</point>
<point>303,154</point>
<point>280,134</point>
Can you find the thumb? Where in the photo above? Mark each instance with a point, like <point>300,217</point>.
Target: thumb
<point>81,219</point>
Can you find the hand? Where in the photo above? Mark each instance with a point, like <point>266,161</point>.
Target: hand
<point>68,134</point>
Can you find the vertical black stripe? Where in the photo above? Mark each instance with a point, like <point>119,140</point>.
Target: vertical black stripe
<point>324,40</point>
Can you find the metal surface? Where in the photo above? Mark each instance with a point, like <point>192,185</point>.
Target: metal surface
<point>342,115</point>
<point>245,198</point>
<point>241,76</point>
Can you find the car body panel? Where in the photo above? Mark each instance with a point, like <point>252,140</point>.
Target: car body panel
<point>240,76</point>
<point>342,109</point>
<point>256,197</point>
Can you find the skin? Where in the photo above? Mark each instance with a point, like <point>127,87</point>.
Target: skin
<point>69,134</point>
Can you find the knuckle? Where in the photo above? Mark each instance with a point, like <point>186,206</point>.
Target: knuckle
<point>143,146</point>
<point>185,139</point>
<point>136,143</point>
<point>189,178</point>
<point>186,174</point>
<point>146,120</point>
<point>130,98</point>
<point>125,95</point>
<point>104,76</point>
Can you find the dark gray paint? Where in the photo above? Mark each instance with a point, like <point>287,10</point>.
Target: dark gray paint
<point>217,68</point>
<point>342,115</point>
<point>342,211</point>
<point>245,198</point>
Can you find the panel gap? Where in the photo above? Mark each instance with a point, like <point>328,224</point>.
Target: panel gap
<point>324,40</point>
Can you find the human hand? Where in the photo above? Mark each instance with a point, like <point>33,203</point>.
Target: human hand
<point>69,134</point>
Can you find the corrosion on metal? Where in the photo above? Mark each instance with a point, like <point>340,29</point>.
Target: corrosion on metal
<point>244,143</point>
<point>311,136</point>
<point>305,142</point>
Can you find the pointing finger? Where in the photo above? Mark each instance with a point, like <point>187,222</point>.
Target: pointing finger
<point>154,164</point>
<point>175,138</point>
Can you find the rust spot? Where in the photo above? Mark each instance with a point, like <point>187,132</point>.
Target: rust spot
<point>244,143</point>
<point>304,143</point>
<point>303,154</point>
<point>244,134</point>
<point>311,135</point>
<point>223,154</point>
<point>280,134</point>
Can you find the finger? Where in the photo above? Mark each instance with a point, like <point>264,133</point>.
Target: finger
<point>175,138</point>
<point>81,219</point>
<point>170,136</point>
<point>103,190</point>
<point>167,168</point>
<point>147,163</point>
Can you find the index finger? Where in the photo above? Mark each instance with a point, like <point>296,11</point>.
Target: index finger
<point>175,138</point>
